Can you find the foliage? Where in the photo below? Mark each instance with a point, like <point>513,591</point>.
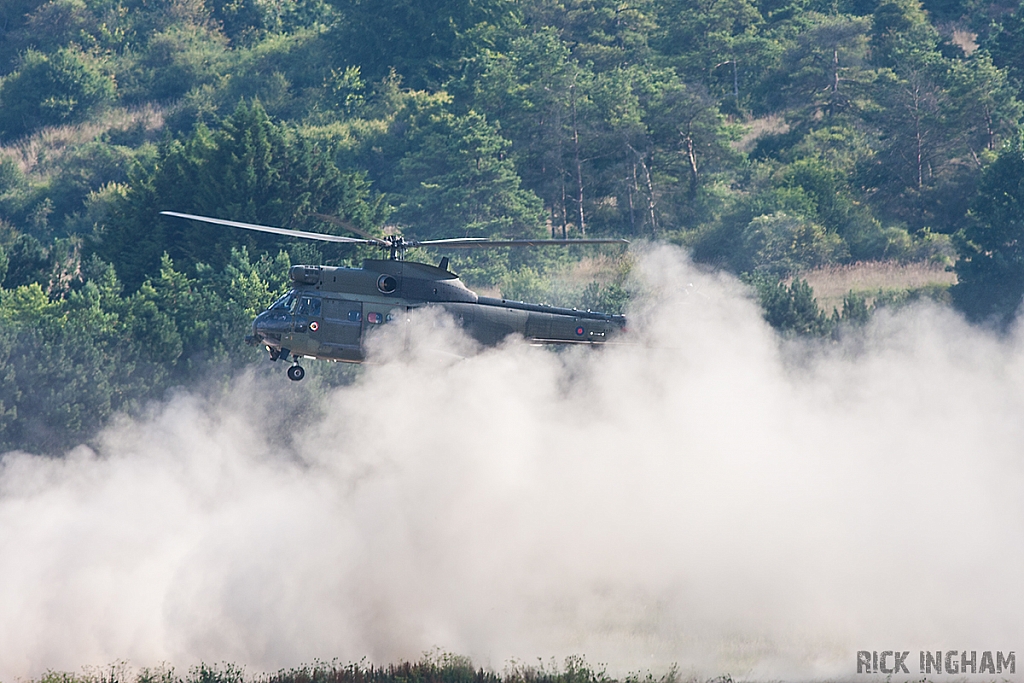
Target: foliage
<point>423,43</point>
<point>990,271</point>
<point>768,136</point>
<point>782,244</point>
<point>790,308</point>
<point>76,351</point>
<point>609,298</point>
<point>180,59</point>
<point>457,181</point>
<point>52,89</point>
<point>250,169</point>
<point>1006,45</point>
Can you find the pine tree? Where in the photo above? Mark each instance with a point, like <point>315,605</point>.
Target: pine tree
<point>990,271</point>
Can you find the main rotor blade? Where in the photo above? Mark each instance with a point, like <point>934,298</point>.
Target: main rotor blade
<point>484,243</point>
<point>277,231</point>
<point>345,224</point>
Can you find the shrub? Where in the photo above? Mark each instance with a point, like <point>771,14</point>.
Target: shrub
<point>49,90</point>
<point>782,244</point>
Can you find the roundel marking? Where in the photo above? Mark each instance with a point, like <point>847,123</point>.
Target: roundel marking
<point>580,331</point>
<point>314,326</point>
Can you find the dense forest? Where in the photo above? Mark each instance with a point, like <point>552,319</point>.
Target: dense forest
<point>768,137</point>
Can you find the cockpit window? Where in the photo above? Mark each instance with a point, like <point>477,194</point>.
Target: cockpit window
<point>285,301</point>
<point>309,305</point>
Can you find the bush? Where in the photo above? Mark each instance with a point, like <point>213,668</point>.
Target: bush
<point>990,271</point>
<point>610,298</point>
<point>790,308</point>
<point>49,90</point>
<point>180,59</point>
<point>782,244</point>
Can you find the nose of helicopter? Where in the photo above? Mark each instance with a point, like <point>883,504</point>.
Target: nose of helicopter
<point>254,337</point>
<point>269,325</point>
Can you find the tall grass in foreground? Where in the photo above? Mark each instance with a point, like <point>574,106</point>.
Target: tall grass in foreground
<point>440,669</point>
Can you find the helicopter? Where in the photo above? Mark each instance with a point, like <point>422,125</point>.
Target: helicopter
<point>330,311</point>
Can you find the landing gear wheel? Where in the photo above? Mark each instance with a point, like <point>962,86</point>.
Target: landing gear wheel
<point>296,373</point>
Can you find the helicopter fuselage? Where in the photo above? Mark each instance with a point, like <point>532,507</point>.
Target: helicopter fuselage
<point>330,311</point>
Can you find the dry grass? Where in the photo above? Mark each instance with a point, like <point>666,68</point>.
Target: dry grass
<point>966,40</point>
<point>45,148</point>
<point>602,269</point>
<point>769,125</point>
<point>874,278</point>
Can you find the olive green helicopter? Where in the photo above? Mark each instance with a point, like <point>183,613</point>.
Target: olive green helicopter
<point>329,312</point>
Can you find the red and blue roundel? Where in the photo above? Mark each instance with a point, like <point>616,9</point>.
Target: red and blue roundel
<point>314,326</point>
<point>580,331</point>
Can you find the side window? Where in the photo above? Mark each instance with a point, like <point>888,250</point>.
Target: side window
<point>309,306</point>
<point>355,316</point>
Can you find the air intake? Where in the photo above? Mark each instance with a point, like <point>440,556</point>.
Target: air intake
<point>305,275</point>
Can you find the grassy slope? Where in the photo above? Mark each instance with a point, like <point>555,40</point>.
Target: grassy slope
<point>874,279</point>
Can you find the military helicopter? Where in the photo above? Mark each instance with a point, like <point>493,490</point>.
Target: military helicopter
<point>329,311</point>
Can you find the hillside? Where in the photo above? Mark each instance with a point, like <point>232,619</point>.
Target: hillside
<point>772,138</point>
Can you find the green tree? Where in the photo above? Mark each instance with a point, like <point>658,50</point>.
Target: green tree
<point>14,12</point>
<point>459,181</point>
<point>783,245</point>
<point>249,169</point>
<point>15,19</point>
<point>47,90</point>
<point>791,308</point>
<point>704,33</point>
<point>84,170</point>
<point>10,395</point>
<point>423,43</point>
<point>915,140</point>
<point>182,58</point>
<point>212,310</point>
<point>528,90</point>
<point>825,70</point>
<point>241,19</point>
<point>685,120</point>
<point>986,109</point>
<point>937,118</point>
<point>605,33</point>
<point>28,261</point>
<point>990,271</point>
<point>1006,45</point>
<point>69,376</point>
<point>574,130</point>
<point>714,42</point>
<point>901,36</point>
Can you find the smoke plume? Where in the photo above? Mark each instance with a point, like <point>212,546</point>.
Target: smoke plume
<point>702,494</point>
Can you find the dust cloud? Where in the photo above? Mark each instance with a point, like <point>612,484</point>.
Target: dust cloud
<point>703,495</point>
